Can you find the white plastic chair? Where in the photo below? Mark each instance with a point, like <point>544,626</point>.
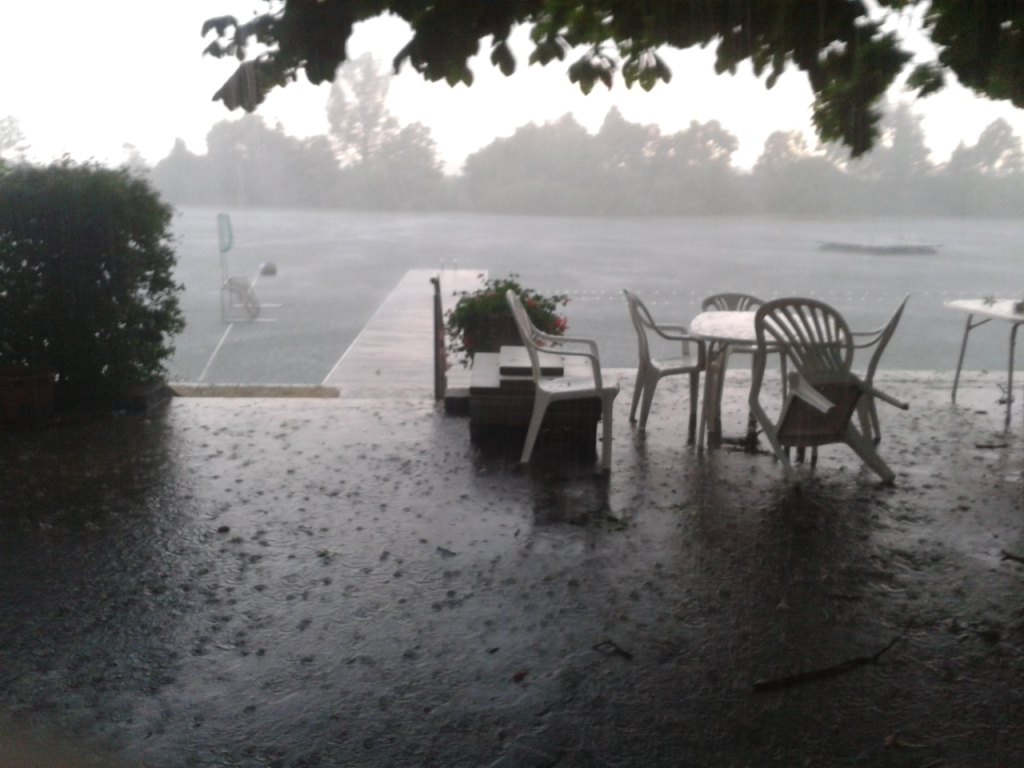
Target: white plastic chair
<point>879,339</point>
<point>550,389</point>
<point>823,391</point>
<point>651,370</point>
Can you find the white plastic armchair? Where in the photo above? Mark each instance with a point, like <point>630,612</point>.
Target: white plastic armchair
<point>879,340</point>
<point>823,392</point>
<point>550,389</point>
<point>650,370</point>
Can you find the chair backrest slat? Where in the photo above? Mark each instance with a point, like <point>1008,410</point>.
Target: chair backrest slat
<point>814,335</point>
<point>642,321</point>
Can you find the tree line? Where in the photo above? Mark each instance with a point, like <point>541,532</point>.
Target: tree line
<point>368,161</point>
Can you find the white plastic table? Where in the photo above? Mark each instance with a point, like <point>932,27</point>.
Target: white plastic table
<point>988,310</point>
<point>720,329</point>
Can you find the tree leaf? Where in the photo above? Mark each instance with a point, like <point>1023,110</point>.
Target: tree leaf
<point>221,24</point>
<point>502,58</point>
<point>664,71</point>
<point>926,79</point>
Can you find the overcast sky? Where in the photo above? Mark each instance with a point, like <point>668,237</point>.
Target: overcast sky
<point>86,78</point>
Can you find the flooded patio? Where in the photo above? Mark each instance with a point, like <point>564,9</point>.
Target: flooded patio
<point>351,582</point>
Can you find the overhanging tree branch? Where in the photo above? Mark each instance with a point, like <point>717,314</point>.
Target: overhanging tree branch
<point>848,59</point>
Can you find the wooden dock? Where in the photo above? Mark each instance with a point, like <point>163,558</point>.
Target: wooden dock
<point>393,356</point>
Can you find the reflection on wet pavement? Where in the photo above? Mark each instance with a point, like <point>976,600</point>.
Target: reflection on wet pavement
<point>345,583</point>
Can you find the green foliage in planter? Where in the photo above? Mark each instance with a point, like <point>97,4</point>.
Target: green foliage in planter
<point>86,278</point>
<point>479,317</point>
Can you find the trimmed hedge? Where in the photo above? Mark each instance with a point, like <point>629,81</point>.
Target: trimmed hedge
<point>86,279</point>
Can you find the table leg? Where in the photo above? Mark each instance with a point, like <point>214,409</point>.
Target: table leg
<point>709,373</point>
<point>710,409</point>
<point>968,327</point>
<point>702,421</point>
<point>960,361</point>
<point>1009,376</point>
<point>750,440</point>
<point>723,364</point>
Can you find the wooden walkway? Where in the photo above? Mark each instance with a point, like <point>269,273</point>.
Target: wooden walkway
<point>393,356</point>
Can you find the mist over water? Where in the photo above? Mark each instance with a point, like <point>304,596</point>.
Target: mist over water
<point>334,269</point>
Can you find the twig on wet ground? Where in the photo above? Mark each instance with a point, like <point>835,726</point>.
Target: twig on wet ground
<point>799,678</point>
<point>896,741</point>
<point>1010,556</point>
<point>611,648</point>
<point>747,443</point>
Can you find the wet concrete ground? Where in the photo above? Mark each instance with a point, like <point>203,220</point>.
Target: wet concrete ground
<point>288,582</point>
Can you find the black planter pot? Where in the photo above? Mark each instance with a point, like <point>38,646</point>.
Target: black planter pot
<point>502,331</point>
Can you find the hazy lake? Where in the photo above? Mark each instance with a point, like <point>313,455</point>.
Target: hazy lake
<point>335,268</point>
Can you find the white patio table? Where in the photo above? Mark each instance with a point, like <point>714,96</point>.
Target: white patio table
<point>721,329</point>
<point>988,310</point>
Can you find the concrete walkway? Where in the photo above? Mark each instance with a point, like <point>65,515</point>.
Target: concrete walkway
<point>393,356</point>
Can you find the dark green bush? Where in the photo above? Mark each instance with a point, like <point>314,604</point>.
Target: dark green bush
<point>86,278</point>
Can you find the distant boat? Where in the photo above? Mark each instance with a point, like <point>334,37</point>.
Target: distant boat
<point>892,249</point>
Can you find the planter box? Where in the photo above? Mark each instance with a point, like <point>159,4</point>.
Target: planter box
<point>501,399</point>
<point>25,395</point>
<point>497,332</point>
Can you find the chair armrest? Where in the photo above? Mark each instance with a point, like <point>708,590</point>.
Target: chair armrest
<point>800,387</point>
<point>578,353</point>
<point>560,341</point>
<point>870,338</point>
<point>884,397</point>
<point>550,338</point>
<point>679,333</point>
<point>570,340</point>
<point>595,363</point>
<point>671,332</point>
<point>674,332</point>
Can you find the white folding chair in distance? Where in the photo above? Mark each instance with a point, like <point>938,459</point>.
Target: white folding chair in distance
<point>650,369</point>
<point>550,389</point>
<point>823,392</point>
